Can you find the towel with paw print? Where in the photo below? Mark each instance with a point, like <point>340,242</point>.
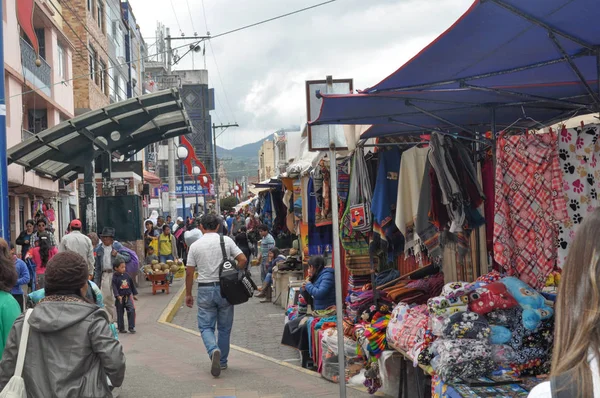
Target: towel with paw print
<point>579,154</point>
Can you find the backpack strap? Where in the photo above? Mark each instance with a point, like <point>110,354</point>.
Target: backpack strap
<point>562,386</point>
<point>23,344</point>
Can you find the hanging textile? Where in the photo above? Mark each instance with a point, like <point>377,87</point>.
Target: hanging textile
<point>267,211</point>
<point>410,179</point>
<point>530,203</point>
<point>386,237</point>
<point>319,238</point>
<point>322,190</point>
<point>579,155</point>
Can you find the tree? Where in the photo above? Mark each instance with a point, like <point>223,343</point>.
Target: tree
<point>228,203</point>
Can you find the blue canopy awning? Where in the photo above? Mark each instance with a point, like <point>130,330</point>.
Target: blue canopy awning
<point>502,60</point>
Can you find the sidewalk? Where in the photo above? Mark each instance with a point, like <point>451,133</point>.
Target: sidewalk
<point>164,361</point>
<point>257,326</point>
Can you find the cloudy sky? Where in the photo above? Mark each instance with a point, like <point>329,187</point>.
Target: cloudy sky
<point>259,73</point>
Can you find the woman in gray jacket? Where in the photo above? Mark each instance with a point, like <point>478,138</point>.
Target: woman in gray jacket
<point>71,350</point>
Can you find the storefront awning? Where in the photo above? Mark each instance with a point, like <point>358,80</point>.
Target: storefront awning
<point>502,61</point>
<point>151,178</point>
<point>123,128</point>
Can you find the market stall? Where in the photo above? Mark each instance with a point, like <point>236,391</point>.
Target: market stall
<point>456,201</point>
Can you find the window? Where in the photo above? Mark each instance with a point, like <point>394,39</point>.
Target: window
<point>102,77</point>
<point>93,57</point>
<point>117,85</point>
<point>112,86</point>
<point>100,16</point>
<point>37,120</point>
<point>90,8</point>
<point>61,62</point>
<point>122,88</point>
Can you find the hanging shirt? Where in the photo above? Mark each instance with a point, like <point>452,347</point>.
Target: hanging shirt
<point>410,178</point>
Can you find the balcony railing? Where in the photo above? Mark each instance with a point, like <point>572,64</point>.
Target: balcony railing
<point>39,76</point>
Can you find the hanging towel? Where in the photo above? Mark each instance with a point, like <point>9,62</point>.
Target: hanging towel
<point>530,204</point>
<point>410,179</point>
<point>579,156</point>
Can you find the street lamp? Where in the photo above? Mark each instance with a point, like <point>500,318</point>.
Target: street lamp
<point>182,154</point>
<point>205,181</point>
<point>196,172</point>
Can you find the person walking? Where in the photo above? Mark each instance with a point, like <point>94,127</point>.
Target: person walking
<point>71,351</point>
<point>40,255</point>
<point>103,271</point>
<point>266,244</point>
<point>42,228</point>
<point>24,239</point>
<point>9,307</point>
<point>241,240</point>
<point>22,272</point>
<point>77,242</point>
<point>167,245</point>
<point>213,309</point>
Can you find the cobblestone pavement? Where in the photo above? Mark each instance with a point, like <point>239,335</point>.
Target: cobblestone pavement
<point>256,326</point>
<point>163,361</point>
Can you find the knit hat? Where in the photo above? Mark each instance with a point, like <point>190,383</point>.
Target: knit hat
<point>66,272</point>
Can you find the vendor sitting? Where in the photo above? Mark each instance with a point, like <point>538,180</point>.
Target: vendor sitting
<point>320,285</point>
<point>319,293</point>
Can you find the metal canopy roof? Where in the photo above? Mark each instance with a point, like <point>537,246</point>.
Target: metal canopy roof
<point>126,127</point>
<point>503,60</point>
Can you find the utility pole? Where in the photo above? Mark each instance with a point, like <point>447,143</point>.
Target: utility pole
<point>4,216</point>
<point>214,160</point>
<point>171,145</point>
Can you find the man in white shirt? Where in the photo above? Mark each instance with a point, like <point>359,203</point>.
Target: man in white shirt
<point>77,242</point>
<point>205,255</point>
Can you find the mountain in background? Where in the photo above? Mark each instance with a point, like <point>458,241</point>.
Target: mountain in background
<point>243,160</point>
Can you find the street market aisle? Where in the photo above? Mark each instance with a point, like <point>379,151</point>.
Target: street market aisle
<point>256,327</point>
<point>163,361</point>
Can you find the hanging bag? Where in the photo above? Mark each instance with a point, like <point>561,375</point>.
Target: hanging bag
<point>16,385</point>
<point>236,286</point>
<point>356,221</point>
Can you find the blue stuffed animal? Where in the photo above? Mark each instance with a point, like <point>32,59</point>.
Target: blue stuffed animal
<point>533,303</point>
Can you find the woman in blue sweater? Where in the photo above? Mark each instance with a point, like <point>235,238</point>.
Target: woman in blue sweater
<point>321,284</point>
<point>22,277</point>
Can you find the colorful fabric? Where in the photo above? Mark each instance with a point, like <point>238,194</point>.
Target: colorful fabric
<point>529,205</point>
<point>491,297</point>
<point>416,320</point>
<point>446,306</point>
<point>466,325</point>
<point>579,154</point>
<point>464,358</point>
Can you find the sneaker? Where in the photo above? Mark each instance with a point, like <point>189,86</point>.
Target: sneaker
<point>224,366</point>
<point>122,331</point>
<point>215,368</point>
<point>132,331</point>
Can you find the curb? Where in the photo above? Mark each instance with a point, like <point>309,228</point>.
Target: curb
<point>171,310</point>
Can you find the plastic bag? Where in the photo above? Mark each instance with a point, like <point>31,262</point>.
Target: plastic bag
<point>389,363</point>
<point>329,356</point>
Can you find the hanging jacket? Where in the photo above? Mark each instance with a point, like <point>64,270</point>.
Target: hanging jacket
<point>323,289</point>
<point>70,353</point>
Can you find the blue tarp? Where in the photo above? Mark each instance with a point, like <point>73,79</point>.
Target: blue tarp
<point>503,57</point>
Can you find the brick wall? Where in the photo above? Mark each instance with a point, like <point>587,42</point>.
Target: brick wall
<point>87,94</point>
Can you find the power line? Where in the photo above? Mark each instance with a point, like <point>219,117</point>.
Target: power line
<point>272,19</point>
<point>176,19</point>
<point>174,48</point>
<point>221,81</point>
<point>204,14</point>
<point>190,13</point>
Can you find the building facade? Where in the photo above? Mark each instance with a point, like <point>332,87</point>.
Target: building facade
<point>37,98</point>
<point>97,30</point>
<point>266,160</point>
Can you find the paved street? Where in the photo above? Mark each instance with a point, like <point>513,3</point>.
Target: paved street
<point>163,361</point>
<point>256,327</point>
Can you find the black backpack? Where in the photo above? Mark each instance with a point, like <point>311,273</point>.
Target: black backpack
<point>236,286</point>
